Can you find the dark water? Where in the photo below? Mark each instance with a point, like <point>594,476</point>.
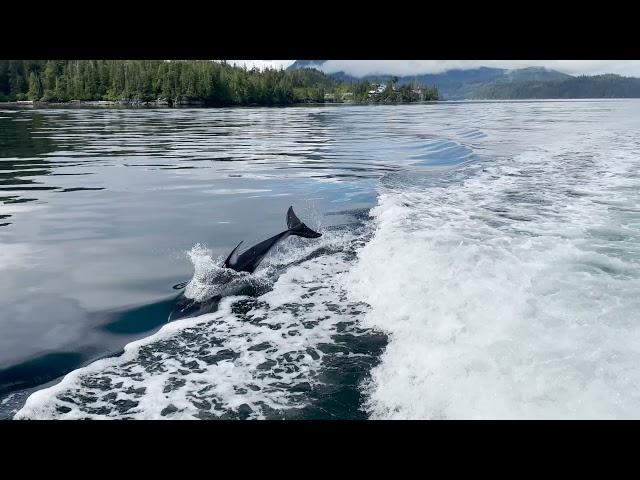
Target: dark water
<point>104,211</point>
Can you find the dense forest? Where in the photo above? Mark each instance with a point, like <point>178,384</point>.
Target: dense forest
<point>185,81</point>
<point>598,86</point>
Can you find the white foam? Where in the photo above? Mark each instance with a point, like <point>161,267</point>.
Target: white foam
<point>513,293</point>
<point>210,279</point>
<point>205,367</point>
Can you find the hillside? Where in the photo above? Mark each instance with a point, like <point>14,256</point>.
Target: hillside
<point>598,86</point>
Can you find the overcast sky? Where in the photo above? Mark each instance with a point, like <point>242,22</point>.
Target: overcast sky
<point>359,68</point>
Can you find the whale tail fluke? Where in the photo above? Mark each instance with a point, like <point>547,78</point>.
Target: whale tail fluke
<point>296,227</point>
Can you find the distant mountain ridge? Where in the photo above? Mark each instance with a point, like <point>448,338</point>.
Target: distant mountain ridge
<point>298,64</point>
<point>499,83</point>
<point>597,86</point>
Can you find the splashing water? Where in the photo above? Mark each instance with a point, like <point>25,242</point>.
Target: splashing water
<point>210,279</point>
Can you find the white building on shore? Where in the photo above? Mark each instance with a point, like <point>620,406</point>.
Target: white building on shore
<point>378,88</point>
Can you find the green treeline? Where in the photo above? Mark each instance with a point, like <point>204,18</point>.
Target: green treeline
<point>597,86</point>
<point>208,82</point>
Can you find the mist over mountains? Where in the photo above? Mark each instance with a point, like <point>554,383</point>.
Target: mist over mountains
<point>500,83</point>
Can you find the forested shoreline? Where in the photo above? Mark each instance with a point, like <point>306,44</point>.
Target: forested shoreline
<point>186,82</point>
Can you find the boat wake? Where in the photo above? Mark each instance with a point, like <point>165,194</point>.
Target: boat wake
<point>296,351</point>
<point>510,288</point>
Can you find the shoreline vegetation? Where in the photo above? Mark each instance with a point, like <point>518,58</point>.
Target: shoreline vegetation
<point>160,83</point>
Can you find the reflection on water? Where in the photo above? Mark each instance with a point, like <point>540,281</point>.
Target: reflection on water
<point>21,162</point>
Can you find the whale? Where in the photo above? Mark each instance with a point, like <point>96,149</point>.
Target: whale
<point>251,258</point>
<point>246,261</point>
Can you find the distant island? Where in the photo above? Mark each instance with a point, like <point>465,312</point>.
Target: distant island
<point>190,82</point>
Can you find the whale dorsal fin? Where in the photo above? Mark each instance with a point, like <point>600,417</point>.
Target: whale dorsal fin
<point>233,257</point>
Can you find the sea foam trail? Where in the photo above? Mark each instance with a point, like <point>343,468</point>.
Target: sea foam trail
<point>510,292</point>
<point>256,357</point>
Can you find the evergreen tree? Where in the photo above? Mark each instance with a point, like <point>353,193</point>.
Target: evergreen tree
<point>35,87</point>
